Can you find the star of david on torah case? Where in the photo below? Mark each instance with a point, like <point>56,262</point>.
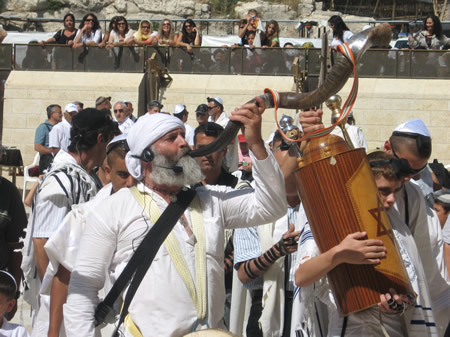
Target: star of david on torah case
<point>340,197</point>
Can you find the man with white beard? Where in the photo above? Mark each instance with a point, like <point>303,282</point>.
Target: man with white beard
<point>169,302</point>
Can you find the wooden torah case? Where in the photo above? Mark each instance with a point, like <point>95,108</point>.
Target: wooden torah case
<point>340,197</point>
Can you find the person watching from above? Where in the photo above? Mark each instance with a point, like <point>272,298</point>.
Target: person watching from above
<point>271,38</point>
<point>41,138</point>
<point>166,35</point>
<point>89,33</point>
<point>154,107</point>
<point>341,33</point>
<point>430,38</point>
<point>59,136</point>
<point>3,34</point>
<point>201,114</point>
<point>112,26</point>
<point>189,37</point>
<point>122,36</point>
<point>145,36</point>
<point>249,25</point>
<point>66,35</point>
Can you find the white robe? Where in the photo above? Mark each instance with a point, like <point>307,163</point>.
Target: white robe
<point>162,305</point>
<point>420,229</point>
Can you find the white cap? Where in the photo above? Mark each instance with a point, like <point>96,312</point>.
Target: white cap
<point>414,126</point>
<point>179,108</point>
<point>445,198</point>
<point>71,107</point>
<point>217,100</point>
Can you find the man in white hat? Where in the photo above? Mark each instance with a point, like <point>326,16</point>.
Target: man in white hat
<point>181,112</point>
<point>158,158</point>
<point>219,116</point>
<point>59,136</point>
<point>411,143</point>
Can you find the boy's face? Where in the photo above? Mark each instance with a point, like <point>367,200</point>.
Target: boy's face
<point>442,215</point>
<point>6,305</point>
<point>119,175</point>
<point>387,191</point>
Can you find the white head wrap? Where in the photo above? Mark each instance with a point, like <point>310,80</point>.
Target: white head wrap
<point>147,130</point>
<point>414,126</point>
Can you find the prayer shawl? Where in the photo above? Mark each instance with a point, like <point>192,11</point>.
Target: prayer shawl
<point>272,318</point>
<point>307,320</point>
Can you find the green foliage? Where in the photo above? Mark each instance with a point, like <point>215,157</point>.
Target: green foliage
<point>54,5</point>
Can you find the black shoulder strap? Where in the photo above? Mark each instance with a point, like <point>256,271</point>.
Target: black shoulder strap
<point>141,260</point>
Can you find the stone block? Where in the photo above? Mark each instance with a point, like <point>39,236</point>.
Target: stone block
<point>431,105</point>
<point>33,121</point>
<point>12,122</point>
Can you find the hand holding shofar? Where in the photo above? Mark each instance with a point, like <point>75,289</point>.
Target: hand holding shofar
<point>336,79</point>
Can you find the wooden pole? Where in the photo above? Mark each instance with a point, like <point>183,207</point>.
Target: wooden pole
<point>444,7</point>
<point>393,10</point>
<point>376,7</point>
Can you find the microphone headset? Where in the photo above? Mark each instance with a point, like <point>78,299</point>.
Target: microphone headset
<point>148,156</point>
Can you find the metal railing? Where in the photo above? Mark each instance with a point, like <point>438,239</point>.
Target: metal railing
<point>207,60</point>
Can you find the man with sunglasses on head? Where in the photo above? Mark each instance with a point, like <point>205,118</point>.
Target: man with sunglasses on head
<point>410,142</point>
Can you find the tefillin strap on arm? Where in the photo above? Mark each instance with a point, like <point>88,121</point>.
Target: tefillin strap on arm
<point>141,260</point>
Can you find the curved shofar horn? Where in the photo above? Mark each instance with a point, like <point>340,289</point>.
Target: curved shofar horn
<point>336,79</point>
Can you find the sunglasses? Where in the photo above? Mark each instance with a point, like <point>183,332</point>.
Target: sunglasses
<point>121,23</point>
<point>212,107</point>
<point>400,166</point>
<point>118,110</point>
<point>187,26</point>
<point>89,20</point>
<point>166,24</point>
<point>145,27</point>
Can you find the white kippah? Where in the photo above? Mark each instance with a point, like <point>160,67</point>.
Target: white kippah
<point>147,130</point>
<point>414,126</point>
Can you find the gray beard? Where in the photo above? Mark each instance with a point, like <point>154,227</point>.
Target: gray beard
<point>191,174</point>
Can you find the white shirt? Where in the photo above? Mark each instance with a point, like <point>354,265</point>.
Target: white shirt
<point>356,135</point>
<point>12,330</point>
<point>59,136</point>
<point>336,42</point>
<point>190,131</point>
<point>232,156</point>
<point>126,125</point>
<point>96,37</point>
<point>162,305</point>
<point>116,35</point>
